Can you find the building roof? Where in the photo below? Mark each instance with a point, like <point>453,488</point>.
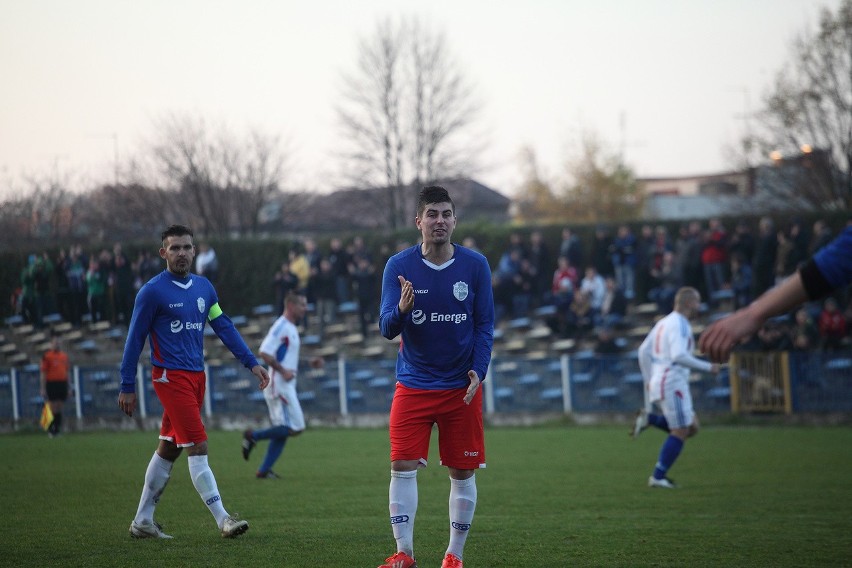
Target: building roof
<point>356,209</point>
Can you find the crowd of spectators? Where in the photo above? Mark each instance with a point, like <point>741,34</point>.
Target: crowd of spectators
<point>96,286</point>
<point>728,267</point>
<point>584,289</point>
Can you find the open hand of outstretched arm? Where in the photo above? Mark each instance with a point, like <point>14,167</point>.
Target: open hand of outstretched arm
<point>722,336</point>
<point>406,297</point>
<point>474,386</point>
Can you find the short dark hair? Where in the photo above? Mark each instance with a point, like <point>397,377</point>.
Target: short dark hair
<point>294,297</point>
<point>175,231</point>
<point>433,194</point>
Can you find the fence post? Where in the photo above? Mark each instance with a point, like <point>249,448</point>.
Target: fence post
<point>78,396</point>
<point>567,403</point>
<point>140,392</point>
<point>734,382</point>
<point>341,385</point>
<point>16,404</point>
<point>489,391</point>
<point>208,405</point>
<point>785,378</point>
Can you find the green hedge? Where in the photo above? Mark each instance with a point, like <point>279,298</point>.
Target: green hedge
<point>247,265</point>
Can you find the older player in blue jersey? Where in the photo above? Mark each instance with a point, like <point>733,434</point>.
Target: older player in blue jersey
<point>171,311</point>
<point>438,296</point>
<point>829,269</point>
<point>666,359</point>
<point>280,350</point>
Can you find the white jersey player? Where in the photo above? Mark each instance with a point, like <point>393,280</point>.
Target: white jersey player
<point>280,350</point>
<point>666,360</point>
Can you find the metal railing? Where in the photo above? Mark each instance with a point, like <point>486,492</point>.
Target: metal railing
<point>578,383</point>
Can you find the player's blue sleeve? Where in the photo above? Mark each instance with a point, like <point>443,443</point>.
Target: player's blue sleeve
<point>483,320</point>
<point>137,333</point>
<point>391,321</point>
<point>227,332</point>
<point>830,268</point>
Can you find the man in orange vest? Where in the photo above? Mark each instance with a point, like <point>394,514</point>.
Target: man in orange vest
<point>55,383</point>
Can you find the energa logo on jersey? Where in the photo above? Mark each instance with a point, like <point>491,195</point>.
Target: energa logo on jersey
<point>178,326</point>
<point>460,290</point>
<point>419,316</point>
<point>201,305</point>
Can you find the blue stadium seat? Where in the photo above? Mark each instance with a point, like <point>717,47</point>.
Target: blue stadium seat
<point>838,364</point>
<point>582,378</point>
<point>263,310</point>
<point>633,378</point>
<point>14,320</point>
<point>552,393</point>
<point>362,375</point>
<point>379,382</point>
<point>347,308</point>
<point>307,396</point>
<point>544,311</point>
<point>529,379</point>
<point>501,393</point>
<point>607,393</point>
<point>311,340</point>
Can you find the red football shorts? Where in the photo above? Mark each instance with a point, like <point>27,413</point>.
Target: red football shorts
<point>461,437</point>
<point>181,393</point>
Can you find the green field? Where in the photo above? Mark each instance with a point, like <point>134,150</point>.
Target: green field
<point>551,496</point>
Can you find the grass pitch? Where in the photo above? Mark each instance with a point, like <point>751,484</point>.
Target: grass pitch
<point>551,496</point>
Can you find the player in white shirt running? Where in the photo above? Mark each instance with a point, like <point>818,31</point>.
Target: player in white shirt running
<point>280,350</point>
<point>666,359</point>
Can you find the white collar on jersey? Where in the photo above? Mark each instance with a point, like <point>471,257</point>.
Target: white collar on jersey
<point>182,285</point>
<point>436,266</point>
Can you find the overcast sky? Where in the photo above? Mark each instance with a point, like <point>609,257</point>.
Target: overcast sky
<point>666,80</point>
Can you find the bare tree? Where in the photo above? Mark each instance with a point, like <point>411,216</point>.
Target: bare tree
<point>404,111</point>
<point>223,179</point>
<point>128,211</point>
<point>806,122</point>
<point>42,210</point>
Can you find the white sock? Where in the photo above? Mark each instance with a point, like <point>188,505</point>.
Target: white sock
<point>402,496</point>
<point>156,477</point>
<point>205,484</point>
<point>462,506</point>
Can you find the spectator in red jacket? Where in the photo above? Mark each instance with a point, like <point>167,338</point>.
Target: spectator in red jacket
<point>832,325</point>
<point>714,258</point>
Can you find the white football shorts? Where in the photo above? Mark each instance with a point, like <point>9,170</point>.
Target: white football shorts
<point>283,403</point>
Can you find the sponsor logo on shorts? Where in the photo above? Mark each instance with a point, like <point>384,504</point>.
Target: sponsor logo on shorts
<point>212,500</point>
<point>461,526</point>
<point>471,454</point>
<point>399,519</point>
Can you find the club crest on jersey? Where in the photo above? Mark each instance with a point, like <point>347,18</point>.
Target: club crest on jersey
<point>460,290</point>
<point>201,305</point>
